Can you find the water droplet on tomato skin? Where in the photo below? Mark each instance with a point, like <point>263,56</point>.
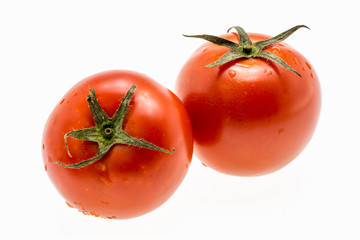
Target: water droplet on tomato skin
<point>268,73</point>
<point>84,212</point>
<point>105,178</point>
<point>126,179</point>
<point>308,65</point>
<point>45,168</point>
<point>275,50</point>
<point>204,49</point>
<point>62,101</point>
<point>296,61</point>
<point>81,209</point>
<point>203,164</point>
<point>94,214</point>
<point>53,122</point>
<point>280,131</point>
<point>69,205</point>
<point>312,75</point>
<point>232,73</point>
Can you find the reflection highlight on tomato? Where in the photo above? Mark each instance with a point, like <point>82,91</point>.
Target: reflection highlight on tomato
<point>117,145</point>
<point>253,101</point>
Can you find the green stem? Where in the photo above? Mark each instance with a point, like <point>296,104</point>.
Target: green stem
<point>246,49</point>
<point>108,131</point>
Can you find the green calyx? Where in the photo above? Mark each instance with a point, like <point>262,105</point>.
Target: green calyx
<point>246,49</point>
<point>108,131</point>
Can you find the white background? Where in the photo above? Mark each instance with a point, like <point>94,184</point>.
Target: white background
<point>48,46</point>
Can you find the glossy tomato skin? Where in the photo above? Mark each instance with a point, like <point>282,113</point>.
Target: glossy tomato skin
<point>128,181</point>
<point>250,116</point>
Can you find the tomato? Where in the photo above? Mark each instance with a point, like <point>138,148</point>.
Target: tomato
<point>117,167</point>
<point>250,115</point>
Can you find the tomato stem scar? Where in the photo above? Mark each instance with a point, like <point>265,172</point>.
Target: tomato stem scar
<point>108,131</point>
<point>246,49</point>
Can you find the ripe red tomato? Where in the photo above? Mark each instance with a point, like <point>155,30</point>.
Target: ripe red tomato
<point>150,145</point>
<point>250,116</point>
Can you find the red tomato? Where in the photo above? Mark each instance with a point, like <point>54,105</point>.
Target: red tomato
<point>127,181</point>
<point>250,116</point>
